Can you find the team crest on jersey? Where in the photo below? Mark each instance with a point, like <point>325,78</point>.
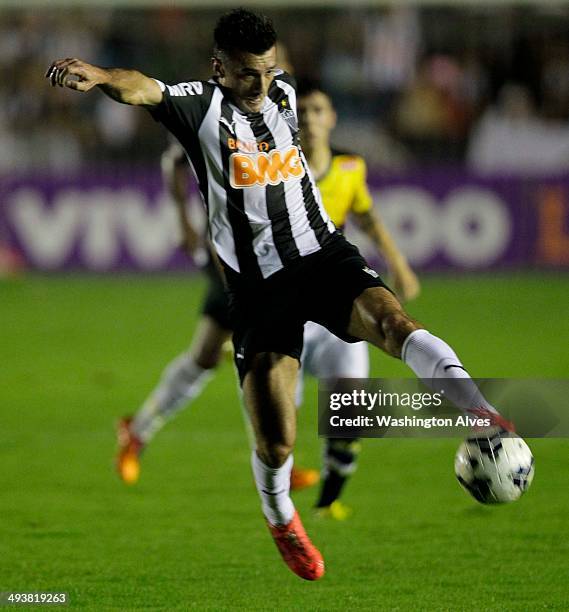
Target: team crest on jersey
<point>265,168</point>
<point>289,116</point>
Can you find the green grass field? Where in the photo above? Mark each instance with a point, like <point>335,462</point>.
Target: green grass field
<point>78,352</point>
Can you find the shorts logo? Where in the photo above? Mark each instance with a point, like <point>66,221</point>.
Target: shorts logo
<point>370,272</point>
<point>265,168</point>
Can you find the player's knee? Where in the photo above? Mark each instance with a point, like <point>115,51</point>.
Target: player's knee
<point>395,327</point>
<point>207,360</point>
<point>274,455</point>
<point>206,354</point>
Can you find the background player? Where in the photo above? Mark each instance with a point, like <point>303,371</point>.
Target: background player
<point>341,179</point>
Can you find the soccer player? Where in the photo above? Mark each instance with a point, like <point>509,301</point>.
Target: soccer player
<point>284,261</point>
<point>341,178</point>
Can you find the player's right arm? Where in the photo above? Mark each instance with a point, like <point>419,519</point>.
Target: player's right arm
<point>175,175</point>
<point>125,86</point>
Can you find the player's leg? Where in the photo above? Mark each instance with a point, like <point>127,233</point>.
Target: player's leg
<point>340,455</point>
<point>379,318</point>
<point>328,358</point>
<point>182,380</point>
<point>302,477</point>
<point>268,392</point>
<point>355,304</point>
<point>268,334</point>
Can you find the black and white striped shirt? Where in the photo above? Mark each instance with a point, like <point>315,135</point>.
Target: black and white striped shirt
<point>264,208</point>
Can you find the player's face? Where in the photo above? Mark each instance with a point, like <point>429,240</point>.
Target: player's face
<point>248,76</point>
<point>317,118</point>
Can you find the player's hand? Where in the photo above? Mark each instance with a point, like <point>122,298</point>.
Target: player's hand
<point>406,285</point>
<point>75,74</point>
<point>194,246</point>
<point>190,239</point>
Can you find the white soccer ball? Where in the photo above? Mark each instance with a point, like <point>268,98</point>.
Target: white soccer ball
<point>495,468</point>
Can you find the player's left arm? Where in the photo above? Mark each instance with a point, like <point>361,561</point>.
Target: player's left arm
<point>404,280</point>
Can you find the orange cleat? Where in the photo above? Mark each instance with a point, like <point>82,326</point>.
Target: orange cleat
<point>301,478</point>
<point>130,447</point>
<point>296,549</point>
<point>496,419</point>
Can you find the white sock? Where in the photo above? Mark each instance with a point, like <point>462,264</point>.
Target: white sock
<point>432,358</point>
<point>181,382</point>
<point>273,485</point>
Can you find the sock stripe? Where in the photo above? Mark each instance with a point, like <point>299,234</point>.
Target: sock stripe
<point>448,367</point>
<point>275,493</point>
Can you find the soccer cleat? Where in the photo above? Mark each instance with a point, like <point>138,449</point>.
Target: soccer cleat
<point>496,419</point>
<point>301,478</point>
<point>128,457</point>
<point>336,511</point>
<point>296,549</point>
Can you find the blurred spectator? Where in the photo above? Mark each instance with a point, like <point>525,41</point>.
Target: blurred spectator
<point>371,140</point>
<point>389,99</point>
<point>511,137</point>
<point>431,116</point>
<point>555,81</point>
<point>392,40</point>
<point>475,83</point>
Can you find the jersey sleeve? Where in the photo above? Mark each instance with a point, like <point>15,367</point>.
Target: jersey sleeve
<point>183,106</point>
<point>287,78</point>
<point>362,200</point>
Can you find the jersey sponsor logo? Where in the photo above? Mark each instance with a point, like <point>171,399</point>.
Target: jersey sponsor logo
<point>195,88</point>
<point>265,168</point>
<point>248,146</point>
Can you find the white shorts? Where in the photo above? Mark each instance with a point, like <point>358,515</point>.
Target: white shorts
<point>326,356</point>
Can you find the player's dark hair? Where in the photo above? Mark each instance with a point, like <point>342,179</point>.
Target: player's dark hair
<point>243,30</point>
<point>306,87</point>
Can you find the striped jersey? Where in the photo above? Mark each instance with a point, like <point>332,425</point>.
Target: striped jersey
<point>264,209</point>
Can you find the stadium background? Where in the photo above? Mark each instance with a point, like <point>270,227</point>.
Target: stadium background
<point>462,113</point>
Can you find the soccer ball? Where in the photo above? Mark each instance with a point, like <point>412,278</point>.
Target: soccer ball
<point>494,469</point>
